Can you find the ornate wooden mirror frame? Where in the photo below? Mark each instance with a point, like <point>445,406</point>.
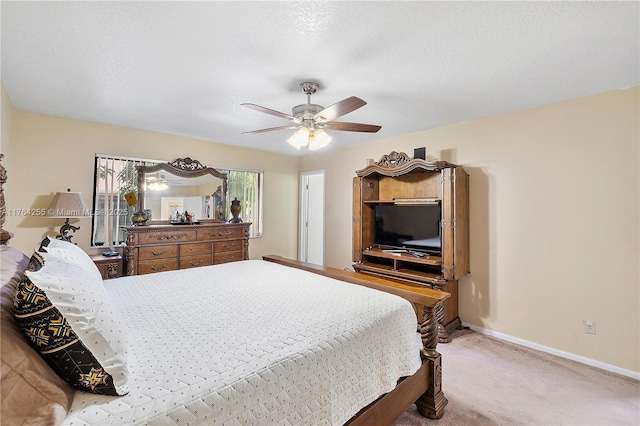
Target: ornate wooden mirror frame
<point>191,169</point>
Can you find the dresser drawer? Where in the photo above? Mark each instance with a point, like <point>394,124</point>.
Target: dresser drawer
<point>219,233</point>
<point>166,237</point>
<point>222,246</point>
<point>197,249</point>
<point>195,261</point>
<point>160,265</point>
<point>227,257</point>
<point>157,252</point>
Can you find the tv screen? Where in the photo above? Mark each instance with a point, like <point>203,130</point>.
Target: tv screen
<point>413,227</point>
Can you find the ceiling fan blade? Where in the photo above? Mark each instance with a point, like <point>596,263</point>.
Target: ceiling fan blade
<point>339,109</point>
<point>270,129</point>
<point>352,127</point>
<point>269,111</point>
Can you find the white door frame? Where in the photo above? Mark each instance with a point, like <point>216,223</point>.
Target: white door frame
<point>304,213</point>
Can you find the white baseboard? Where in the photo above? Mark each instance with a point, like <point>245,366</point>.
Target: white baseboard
<point>552,351</point>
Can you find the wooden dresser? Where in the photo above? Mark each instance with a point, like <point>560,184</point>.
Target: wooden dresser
<point>158,248</point>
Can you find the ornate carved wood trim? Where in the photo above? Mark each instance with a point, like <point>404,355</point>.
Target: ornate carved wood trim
<point>129,255</point>
<point>5,236</point>
<point>246,249</point>
<point>429,329</point>
<point>187,164</point>
<point>431,404</point>
<point>399,163</point>
<point>165,237</point>
<point>184,167</point>
<point>393,160</point>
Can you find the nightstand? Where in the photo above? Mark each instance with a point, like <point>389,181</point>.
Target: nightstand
<point>109,267</point>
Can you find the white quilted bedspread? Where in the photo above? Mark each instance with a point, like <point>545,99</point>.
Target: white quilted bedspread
<point>250,343</point>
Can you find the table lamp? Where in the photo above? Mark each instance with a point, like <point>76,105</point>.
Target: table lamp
<point>65,205</point>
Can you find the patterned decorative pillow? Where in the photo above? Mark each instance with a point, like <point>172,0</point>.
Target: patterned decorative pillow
<point>36,262</point>
<point>66,313</point>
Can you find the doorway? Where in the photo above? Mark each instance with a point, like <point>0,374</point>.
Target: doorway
<point>311,248</point>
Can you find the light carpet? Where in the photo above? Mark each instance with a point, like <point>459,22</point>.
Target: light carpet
<point>492,382</point>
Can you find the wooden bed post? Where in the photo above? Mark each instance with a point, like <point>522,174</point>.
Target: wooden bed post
<point>431,403</point>
<point>5,236</point>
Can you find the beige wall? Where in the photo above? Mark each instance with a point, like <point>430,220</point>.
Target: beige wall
<point>554,195</point>
<point>52,154</point>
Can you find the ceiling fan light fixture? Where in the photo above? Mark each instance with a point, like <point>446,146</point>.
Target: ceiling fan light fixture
<point>309,119</point>
<point>318,140</point>
<point>293,142</point>
<point>300,138</point>
<point>158,186</point>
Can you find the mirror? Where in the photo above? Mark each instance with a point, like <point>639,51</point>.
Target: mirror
<point>182,185</point>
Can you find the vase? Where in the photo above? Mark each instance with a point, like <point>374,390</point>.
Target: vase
<point>139,218</point>
<point>236,208</point>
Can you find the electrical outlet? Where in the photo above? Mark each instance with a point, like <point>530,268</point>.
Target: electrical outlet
<point>589,326</point>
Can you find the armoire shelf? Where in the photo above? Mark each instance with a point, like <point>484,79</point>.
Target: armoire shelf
<point>399,179</point>
<point>404,201</point>
<point>403,257</point>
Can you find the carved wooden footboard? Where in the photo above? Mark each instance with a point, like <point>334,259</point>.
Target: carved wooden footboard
<point>424,388</point>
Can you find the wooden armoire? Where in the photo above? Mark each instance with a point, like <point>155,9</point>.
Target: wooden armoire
<point>400,179</point>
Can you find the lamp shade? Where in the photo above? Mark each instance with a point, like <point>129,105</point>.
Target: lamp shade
<point>319,140</point>
<point>68,204</point>
<point>299,138</point>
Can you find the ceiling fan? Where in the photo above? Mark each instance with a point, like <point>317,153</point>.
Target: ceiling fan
<point>311,120</point>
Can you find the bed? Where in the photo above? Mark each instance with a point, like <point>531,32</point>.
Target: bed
<point>269,341</point>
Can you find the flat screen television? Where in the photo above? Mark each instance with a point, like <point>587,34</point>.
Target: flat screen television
<point>408,226</point>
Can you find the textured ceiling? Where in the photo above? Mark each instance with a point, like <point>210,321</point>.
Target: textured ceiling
<point>184,68</point>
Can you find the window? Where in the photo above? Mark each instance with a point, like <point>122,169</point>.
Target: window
<point>246,186</point>
<point>116,176</point>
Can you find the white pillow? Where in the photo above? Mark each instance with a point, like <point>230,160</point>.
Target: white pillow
<point>65,251</point>
<point>66,313</point>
